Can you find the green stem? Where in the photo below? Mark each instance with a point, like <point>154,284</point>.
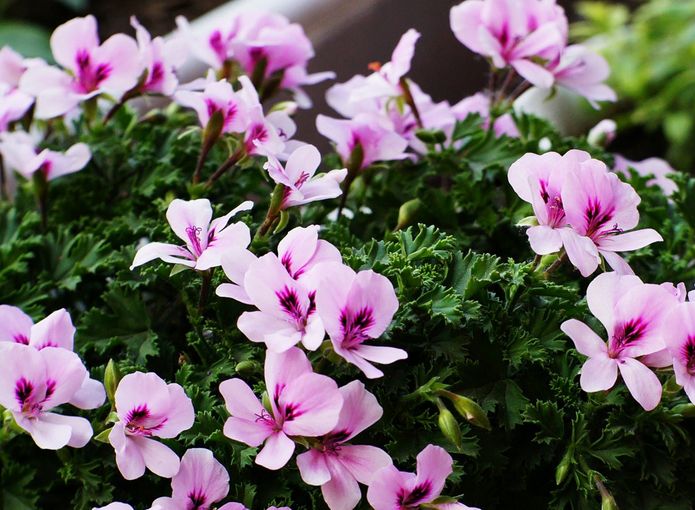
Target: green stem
<point>205,289</point>
<point>272,217</point>
<point>561,259</point>
<point>233,160</point>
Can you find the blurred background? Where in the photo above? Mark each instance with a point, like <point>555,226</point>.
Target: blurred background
<point>650,45</point>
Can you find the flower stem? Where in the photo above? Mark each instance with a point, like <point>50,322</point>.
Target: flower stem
<point>204,289</point>
<point>233,160</point>
<point>273,215</point>
<point>561,259</point>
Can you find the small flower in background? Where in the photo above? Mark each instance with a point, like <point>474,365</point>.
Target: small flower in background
<point>148,407</point>
<point>338,467</point>
<point>206,241</point>
<point>479,103</point>
<point>298,178</point>
<point>89,68</point>
<point>583,72</point>
<point>354,308</point>
<point>161,59</point>
<point>200,482</point>
<point>657,167</point>
<point>32,382</point>
<point>302,403</point>
<point>633,314</point>
<point>603,133</point>
<point>391,489</point>
<point>218,96</point>
<point>517,33</point>
<point>13,105</point>
<point>20,154</point>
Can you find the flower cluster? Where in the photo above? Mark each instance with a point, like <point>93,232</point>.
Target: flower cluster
<point>580,207</point>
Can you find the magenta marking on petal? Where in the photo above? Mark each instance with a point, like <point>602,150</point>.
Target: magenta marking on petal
<point>217,45</point>
<point>291,412</point>
<point>290,304</point>
<point>21,339</point>
<point>50,389</point>
<point>355,327</point>
<point>688,351</point>
<point>626,333</point>
<point>157,73</point>
<point>312,298</point>
<point>139,422</point>
<point>45,168</point>
<point>197,498</point>
<point>302,179</point>
<point>23,391</point>
<point>232,110</point>
<point>194,237</point>
<point>415,497</point>
<point>212,107</point>
<point>596,218</point>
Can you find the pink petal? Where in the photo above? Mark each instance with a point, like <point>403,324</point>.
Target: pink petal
<point>380,354</point>
<point>56,330</point>
<point>363,461</point>
<point>81,429</point>
<point>278,334</point>
<point>236,262</point>
<point>19,361</point>
<point>643,384</point>
<point>353,356</point>
<point>297,248</point>
<point>120,53</point>
<point>402,55</point>
<point>465,20</point>
<point>434,465</point>
<point>65,369</point>
<point>159,458</point>
<point>141,389</point>
<point>373,291</point>
<point>16,325</point>
<point>185,217</point>
<point>237,235</point>
<point>303,161</point>
<point>360,410</point>
<point>46,434</point>
<point>277,451</point>
<point>229,290</point>
<point>249,431</point>
<point>658,359</point>
<point>312,467</point>
<point>316,403</point>
<point>341,492</point>
<point>240,400</point>
<point>90,395</point>
<point>533,73</point>
<point>537,42</point>
<point>167,252</point>
<point>283,368</point>
<point>604,292</point>
<point>78,35</point>
<point>581,251</point>
<point>630,240</point>
<point>314,333</point>
<point>180,414</point>
<point>598,373</point>
<point>386,486</point>
<point>200,473</point>
<point>129,459</point>
<point>544,240</point>
<point>617,263</point>
<point>74,160</point>
<point>585,340</point>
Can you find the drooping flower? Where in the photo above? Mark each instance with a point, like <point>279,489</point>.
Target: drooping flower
<point>600,208</point>
<point>539,180</point>
<point>583,72</point>
<point>146,407</point>
<point>90,69</point>
<point>633,314</point>
<point>354,308</point>
<point>286,310</point>
<point>20,154</point>
<point>200,482</point>
<point>337,467</point>
<point>375,136</point>
<point>302,403</point>
<point>32,382</point>
<point>218,96</point>
<point>205,241</point>
<point>517,33</point>
<point>161,59</point>
<point>391,489</point>
<point>657,167</point>
<point>298,177</point>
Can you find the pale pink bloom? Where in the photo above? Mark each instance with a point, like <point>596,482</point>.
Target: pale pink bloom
<point>603,133</point>
<point>218,96</point>
<point>13,105</point>
<point>679,335</point>
<point>391,489</point>
<point>117,505</point>
<point>354,308</point>
<point>341,96</point>
<point>266,134</point>
<point>633,314</point>
<point>374,134</point>
<point>286,311</point>
<point>600,208</point>
<point>584,72</point>
<point>513,32</point>
<point>337,467</point>
<point>479,103</point>
<point>13,65</point>
<point>302,404</point>
<point>539,180</point>
<point>112,68</point>
<point>20,154</point>
<point>200,482</point>
<point>299,252</point>
<point>147,406</point>
<point>657,167</point>
<point>206,241</point>
<point>32,382</point>
<point>298,177</point>
<point>161,59</point>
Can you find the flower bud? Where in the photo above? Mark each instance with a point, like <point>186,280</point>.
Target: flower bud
<point>430,136</point>
<point>213,129</point>
<point>408,213</point>
<point>468,409</point>
<point>685,410</point>
<point>602,133</point>
<point>607,500</point>
<point>563,468</point>
<point>112,377</point>
<point>289,107</point>
<point>247,367</point>
<point>448,425</point>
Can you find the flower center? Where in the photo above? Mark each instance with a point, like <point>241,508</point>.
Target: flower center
<point>355,327</point>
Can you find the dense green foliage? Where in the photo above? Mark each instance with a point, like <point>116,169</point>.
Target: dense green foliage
<point>474,316</point>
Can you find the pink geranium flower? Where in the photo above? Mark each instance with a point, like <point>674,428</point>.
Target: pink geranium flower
<point>354,308</point>
<point>161,59</point>
<point>679,335</point>
<point>20,154</point>
<point>13,65</point>
<point>32,382</point>
<point>480,104</point>
<point>337,467</point>
<point>600,208</point>
<point>91,69</point>
<point>13,105</point>
<point>302,403</point>
<point>147,406</point>
<point>375,135</point>
<point>513,32</point>
<point>391,489</point>
<point>583,72</point>
<point>298,177</point>
<point>200,482</point>
<point>657,167</point>
<point>633,314</point>
<point>218,96</point>
<point>206,241</point>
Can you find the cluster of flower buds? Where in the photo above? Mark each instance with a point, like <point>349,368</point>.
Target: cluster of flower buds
<point>580,207</point>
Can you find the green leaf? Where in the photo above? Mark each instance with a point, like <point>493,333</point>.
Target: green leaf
<point>550,418</point>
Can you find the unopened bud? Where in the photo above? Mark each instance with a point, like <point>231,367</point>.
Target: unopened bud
<point>247,367</point>
<point>672,386</point>
<point>563,468</point>
<point>468,409</point>
<point>408,213</point>
<point>288,107</point>
<point>602,133</point>
<point>354,162</point>
<point>431,136</point>
<point>607,500</point>
<point>265,400</point>
<point>449,426</point>
<point>112,377</point>
<point>685,410</point>
<point>213,129</point>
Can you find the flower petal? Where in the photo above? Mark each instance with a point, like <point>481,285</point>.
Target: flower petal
<point>643,384</point>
